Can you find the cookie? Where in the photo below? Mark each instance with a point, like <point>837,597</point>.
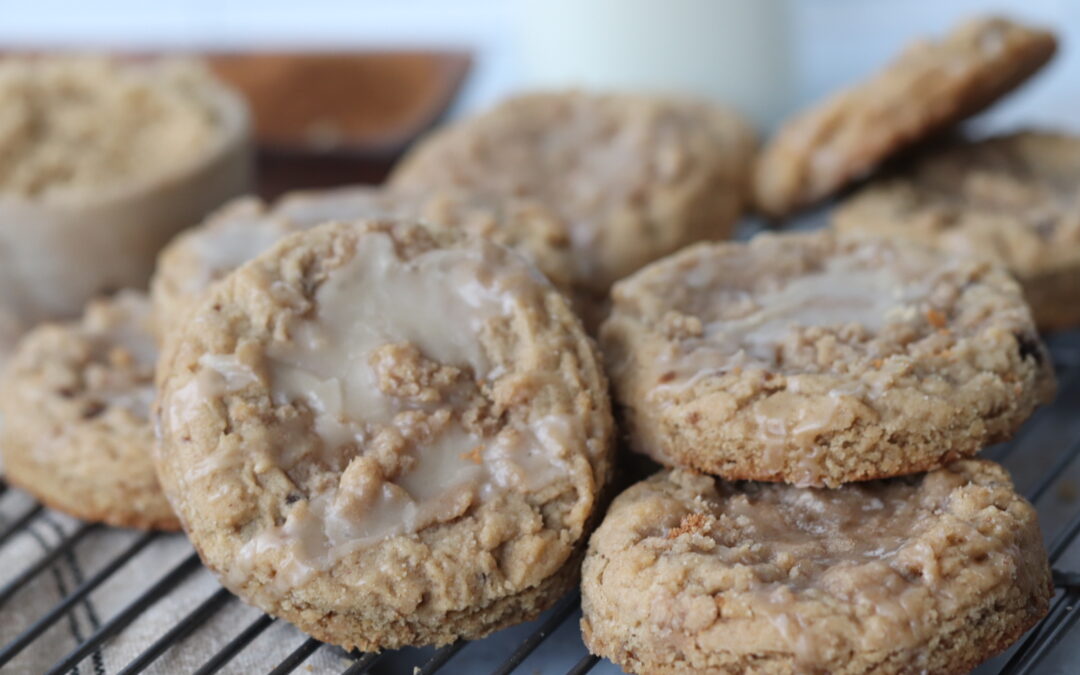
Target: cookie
<point>1013,200</point>
<point>632,177</point>
<point>812,360</point>
<point>75,401</point>
<point>386,435</point>
<point>932,573</point>
<point>929,87</point>
<point>247,227</point>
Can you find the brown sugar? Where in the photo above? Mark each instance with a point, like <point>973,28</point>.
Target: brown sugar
<point>73,126</point>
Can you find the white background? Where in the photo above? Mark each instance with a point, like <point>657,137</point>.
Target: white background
<point>835,41</point>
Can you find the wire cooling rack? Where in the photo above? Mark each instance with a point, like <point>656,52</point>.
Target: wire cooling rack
<point>1043,459</point>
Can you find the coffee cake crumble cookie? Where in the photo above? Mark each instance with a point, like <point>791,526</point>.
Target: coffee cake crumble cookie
<point>808,359</point>
<point>932,573</point>
<point>386,435</point>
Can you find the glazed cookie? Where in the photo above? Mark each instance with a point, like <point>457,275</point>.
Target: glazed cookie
<point>76,401</point>
<point>385,435</point>
<point>931,86</point>
<point>806,359</point>
<point>1013,200</point>
<point>932,573</point>
<point>632,177</point>
<point>247,227</point>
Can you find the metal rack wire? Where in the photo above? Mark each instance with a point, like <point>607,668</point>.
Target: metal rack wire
<point>1041,457</point>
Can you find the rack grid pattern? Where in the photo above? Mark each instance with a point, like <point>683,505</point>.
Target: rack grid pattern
<point>1044,459</point>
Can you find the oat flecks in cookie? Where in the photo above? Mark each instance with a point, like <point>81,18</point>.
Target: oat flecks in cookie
<point>1013,200</point>
<point>632,177</point>
<point>930,573</point>
<point>247,227</point>
<point>931,86</point>
<point>813,360</point>
<point>386,435</point>
<point>76,402</point>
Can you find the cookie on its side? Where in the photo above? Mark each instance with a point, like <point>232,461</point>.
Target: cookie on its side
<point>386,435</point>
<point>632,177</point>
<point>76,403</point>
<point>930,573</point>
<point>931,86</point>
<point>1013,200</point>
<point>812,360</point>
<point>246,227</point>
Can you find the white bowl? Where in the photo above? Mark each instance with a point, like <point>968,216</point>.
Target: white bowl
<point>54,256</point>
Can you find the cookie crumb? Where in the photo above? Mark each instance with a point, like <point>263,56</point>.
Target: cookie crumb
<point>474,455</point>
<point>691,524</point>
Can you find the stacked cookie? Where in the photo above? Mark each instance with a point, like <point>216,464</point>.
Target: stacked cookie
<point>1013,200</point>
<point>855,377</point>
<point>426,420</point>
<point>817,398</point>
<point>1010,200</point>
<point>926,90</point>
<point>379,413</point>
<point>389,433</point>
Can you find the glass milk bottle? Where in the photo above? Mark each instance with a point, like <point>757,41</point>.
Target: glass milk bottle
<point>734,51</point>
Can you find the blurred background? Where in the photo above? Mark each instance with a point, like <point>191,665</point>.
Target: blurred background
<point>768,57</point>
<point>390,69</point>
<point>832,42</point>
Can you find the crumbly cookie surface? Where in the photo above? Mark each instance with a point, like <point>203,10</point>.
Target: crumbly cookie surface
<point>247,227</point>
<point>930,86</point>
<point>76,401</point>
<point>1013,200</point>
<point>929,573</point>
<point>386,435</point>
<point>633,178</point>
<point>808,359</point>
